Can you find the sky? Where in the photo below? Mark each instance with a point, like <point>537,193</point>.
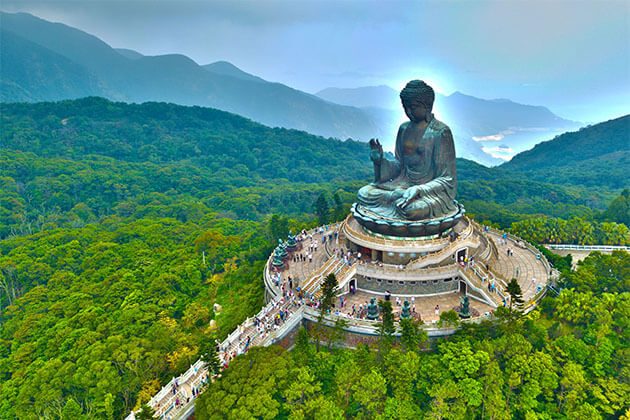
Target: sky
<point>571,56</point>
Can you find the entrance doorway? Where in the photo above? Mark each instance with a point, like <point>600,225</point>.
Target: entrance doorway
<point>461,255</point>
<point>352,286</point>
<point>463,287</point>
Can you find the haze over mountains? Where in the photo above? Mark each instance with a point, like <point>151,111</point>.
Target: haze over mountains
<point>487,131</point>
<point>51,61</point>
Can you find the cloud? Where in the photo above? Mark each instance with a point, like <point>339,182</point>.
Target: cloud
<point>499,152</point>
<point>493,137</point>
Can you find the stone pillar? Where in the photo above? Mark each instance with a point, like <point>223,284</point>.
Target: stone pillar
<point>374,255</point>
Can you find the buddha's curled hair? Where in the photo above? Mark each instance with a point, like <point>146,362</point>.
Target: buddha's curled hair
<point>417,90</point>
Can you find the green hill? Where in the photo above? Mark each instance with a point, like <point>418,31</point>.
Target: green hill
<point>115,158</point>
<point>597,157</point>
<point>608,140</point>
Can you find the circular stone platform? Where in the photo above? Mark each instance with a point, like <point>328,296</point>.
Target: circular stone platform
<point>430,271</point>
<point>406,228</point>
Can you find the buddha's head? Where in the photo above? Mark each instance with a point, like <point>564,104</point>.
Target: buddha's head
<point>417,100</point>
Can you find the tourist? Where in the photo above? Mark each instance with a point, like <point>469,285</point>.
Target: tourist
<point>437,310</point>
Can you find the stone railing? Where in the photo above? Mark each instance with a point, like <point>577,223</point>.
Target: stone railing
<point>392,272</point>
<point>311,284</point>
<point>439,256</point>
<point>478,280</point>
<point>367,327</point>
<point>485,248</point>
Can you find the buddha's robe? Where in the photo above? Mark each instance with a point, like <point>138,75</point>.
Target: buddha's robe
<point>425,159</point>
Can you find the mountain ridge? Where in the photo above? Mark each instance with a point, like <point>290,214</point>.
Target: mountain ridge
<point>184,81</point>
<point>485,130</point>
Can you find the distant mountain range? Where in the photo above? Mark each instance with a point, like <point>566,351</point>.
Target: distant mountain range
<point>45,61</point>
<point>83,65</point>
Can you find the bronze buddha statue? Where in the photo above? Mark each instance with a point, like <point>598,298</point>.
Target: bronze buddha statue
<point>413,195</point>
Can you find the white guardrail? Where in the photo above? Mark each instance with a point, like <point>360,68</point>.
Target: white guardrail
<point>570,247</point>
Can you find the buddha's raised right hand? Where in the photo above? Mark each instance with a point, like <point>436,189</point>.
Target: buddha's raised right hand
<point>376,151</point>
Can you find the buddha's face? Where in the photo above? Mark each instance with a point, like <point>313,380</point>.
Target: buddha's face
<point>416,111</point>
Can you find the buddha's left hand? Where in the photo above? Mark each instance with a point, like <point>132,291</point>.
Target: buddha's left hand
<point>408,196</point>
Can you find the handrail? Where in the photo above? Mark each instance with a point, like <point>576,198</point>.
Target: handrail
<point>479,289</point>
<point>569,247</point>
<point>321,272</point>
<point>389,272</point>
<point>422,261</point>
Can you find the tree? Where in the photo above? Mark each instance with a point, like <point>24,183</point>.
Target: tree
<point>72,410</point>
<point>208,353</point>
<point>338,210</point>
<point>322,209</point>
<point>338,332</point>
<point>301,390</point>
<point>329,292</point>
<point>386,327</point>
<point>249,388</point>
<point>516,295</point>
<point>370,392</point>
<point>278,228</point>
<point>146,412</point>
<point>302,352</point>
<point>411,334</point>
<point>619,209</point>
<point>448,319</point>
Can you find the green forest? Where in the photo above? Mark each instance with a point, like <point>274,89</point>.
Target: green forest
<point>108,210</point>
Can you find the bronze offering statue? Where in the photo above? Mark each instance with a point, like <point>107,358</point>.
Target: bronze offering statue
<point>413,195</point>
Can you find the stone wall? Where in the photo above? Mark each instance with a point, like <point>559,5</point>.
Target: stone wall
<point>288,340</point>
<point>350,339</point>
<point>428,287</point>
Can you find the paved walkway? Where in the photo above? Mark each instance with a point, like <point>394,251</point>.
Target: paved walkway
<point>425,305</point>
<point>522,264</point>
<point>300,271</point>
<point>177,396</point>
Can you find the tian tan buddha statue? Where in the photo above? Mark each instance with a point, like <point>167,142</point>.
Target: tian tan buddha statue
<point>413,195</point>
